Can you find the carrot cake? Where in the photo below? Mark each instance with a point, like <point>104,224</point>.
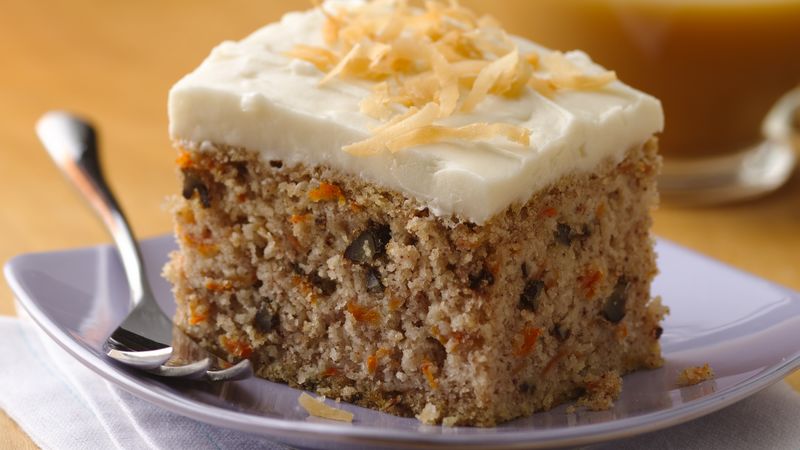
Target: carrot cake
<point>408,209</point>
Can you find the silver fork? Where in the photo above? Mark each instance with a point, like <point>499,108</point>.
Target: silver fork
<point>144,338</point>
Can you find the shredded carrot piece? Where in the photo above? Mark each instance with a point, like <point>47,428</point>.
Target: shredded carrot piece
<point>361,314</point>
<point>187,216</point>
<point>197,316</point>
<point>553,361</point>
<point>529,337</point>
<point>204,248</point>
<point>294,242</point>
<point>372,364</point>
<point>621,332</point>
<point>184,159</point>
<point>298,218</point>
<point>373,359</point>
<point>600,211</point>
<point>327,192</point>
<point>236,347</point>
<point>549,212</point>
<point>330,372</point>
<point>428,370</point>
<point>217,286</point>
<point>394,303</point>
<point>589,282</point>
<point>208,250</point>
<point>305,288</point>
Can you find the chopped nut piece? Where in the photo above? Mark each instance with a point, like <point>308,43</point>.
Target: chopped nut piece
<point>369,245</point>
<point>318,408</point>
<point>265,321</point>
<point>564,234</point>
<point>614,306</point>
<point>192,182</point>
<point>561,332</point>
<point>373,281</point>
<point>529,299</point>
<point>481,280</point>
<point>590,280</point>
<point>657,332</point>
<point>325,285</point>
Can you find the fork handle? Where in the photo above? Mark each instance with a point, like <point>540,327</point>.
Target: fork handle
<point>72,143</point>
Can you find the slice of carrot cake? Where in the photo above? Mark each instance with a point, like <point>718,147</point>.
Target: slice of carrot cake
<point>408,209</point>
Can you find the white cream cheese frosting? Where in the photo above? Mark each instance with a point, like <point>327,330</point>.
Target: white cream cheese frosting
<point>248,94</point>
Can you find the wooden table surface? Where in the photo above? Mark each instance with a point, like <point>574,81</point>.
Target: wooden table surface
<point>115,61</point>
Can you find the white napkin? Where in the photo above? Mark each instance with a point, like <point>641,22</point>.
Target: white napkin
<point>63,405</point>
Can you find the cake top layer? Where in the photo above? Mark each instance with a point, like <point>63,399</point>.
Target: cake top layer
<point>439,104</point>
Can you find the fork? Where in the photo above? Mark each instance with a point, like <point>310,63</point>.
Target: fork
<point>144,339</point>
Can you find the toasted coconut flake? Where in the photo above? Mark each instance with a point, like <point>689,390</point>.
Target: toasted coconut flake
<point>377,142</point>
<point>502,67</point>
<point>364,56</point>
<point>566,75</point>
<point>542,85</point>
<point>533,59</point>
<point>390,30</point>
<point>448,83</point>
<point>376,105</point>
<point>395,120</point>
<point>322,58</point>
<point>429,63</point>
<point>340,66</point>
<point>318,408</point>
<point>472,132</point>
<point>469,68</point>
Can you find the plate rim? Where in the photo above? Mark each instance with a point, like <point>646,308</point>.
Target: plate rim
<point>285,428</point>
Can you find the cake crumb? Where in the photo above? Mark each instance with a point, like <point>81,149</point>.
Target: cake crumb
<point>318,408</point>
<point>601,391</point>
<point>695,375</point>
<point>429,414</point>
<point>449,421</point>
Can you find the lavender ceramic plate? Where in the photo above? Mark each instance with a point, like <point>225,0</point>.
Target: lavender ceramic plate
<point>746,328</point>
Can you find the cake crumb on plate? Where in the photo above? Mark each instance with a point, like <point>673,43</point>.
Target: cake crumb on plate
<point>695,375</point>
<point>429,414</point>
<point>318,408</point>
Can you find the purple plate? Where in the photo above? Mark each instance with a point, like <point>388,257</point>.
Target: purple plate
<point>746,328</point>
